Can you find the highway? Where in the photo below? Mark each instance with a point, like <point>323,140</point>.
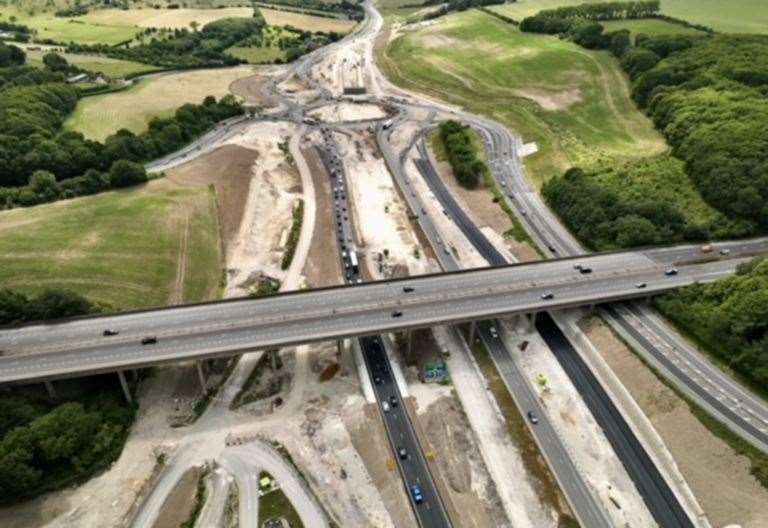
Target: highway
<point>655,491</point>
<point>229,327</point>
<point>429,509</point>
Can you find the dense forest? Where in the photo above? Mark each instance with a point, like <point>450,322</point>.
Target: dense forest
<point>730,317</point>
<point>462,154</point>
<point>39,162</point>
<point>708,95</point>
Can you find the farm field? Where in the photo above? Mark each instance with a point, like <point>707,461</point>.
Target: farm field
<point>269,51</point>
<point>140,247</point>
<point>164,18</point>
<point>650,26</point>
<point>735,16</point>
<point>99,116</point>
<point>180,18</point>
<point>67,30</point>
<point>115,68</point>
<point>573,103</point>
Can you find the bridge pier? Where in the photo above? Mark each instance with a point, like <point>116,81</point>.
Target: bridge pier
<point>531,321</point>
<point>201,375</point>
<point>124,385</point>
<point>472,331</point>
<point>51,390</point>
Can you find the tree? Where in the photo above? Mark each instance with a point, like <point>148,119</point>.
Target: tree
<point>123,173</point>
<point>635,231</point>
<point>44,185</point>
<point>55,62</point>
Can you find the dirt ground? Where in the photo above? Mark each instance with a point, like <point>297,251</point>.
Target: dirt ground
<point>322,266</point>
<point>370,439</point>
<point>181,500</point>
<point>719,477</point>
<point>228,168</point>
<point>249,88</point>
<point>474,498</point>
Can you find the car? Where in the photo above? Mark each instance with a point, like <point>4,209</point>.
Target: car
<point>402,453</point>
<point>532,417</point>
<point>494,333</point>
<point>585,269</point>
<point>393,401</point>
<point>110,332</point>
<point>670,272</point>
<point>640,285</point>
<point>397,313</point>
<point>151,340</point>
<point>377,380</point>
<point>407,289</point>
<point>503,183</point>
<point>725,251</point>
<point>385,406</point>
<point>418,498</point>
<point>547,295</point>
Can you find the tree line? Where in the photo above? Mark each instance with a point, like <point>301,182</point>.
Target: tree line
<point>708,95</point>
<point>17,308</point>
<point>462,153</point>
<point>39,162</point>
<point>729,316</point>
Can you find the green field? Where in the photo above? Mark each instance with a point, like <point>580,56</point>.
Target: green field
<point>100,116</point>
<point>650,26</point>
<point>145,246</point>
<point>115,68</point>
<point>572,102</point>
<point>269,50</point>
<point>734,16</point>
<point>48,26</point>
<point>658,178</point>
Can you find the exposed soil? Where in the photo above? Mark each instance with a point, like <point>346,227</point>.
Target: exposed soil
<point>322,266</point>
<point>228,168</point>
<point>552,101</point>
<point>178,507</point>
<point>719,477</point>
<point>370,440</point>
<point>249,88</point>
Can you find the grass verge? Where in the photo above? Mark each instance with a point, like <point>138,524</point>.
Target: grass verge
<point>293,235</point>
<point>199,503</point>
<point>275,505</point>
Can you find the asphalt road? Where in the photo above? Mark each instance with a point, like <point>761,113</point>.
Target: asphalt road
<point>226,328</point>
<point>429,510</point>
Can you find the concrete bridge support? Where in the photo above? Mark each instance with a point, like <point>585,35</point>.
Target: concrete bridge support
<point>472,332</point>
<point>124,385</point>
<point>531,321</point>
<point>201,375</point>
<point>51,390</point>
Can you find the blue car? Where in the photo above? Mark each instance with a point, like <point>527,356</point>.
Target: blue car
<point>418,498</point>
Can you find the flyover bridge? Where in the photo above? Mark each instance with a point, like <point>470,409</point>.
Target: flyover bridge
<point>77,347</point>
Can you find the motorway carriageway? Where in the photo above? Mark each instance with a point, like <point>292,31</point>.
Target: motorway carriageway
<point>658,496</point>
<point>429,510</point>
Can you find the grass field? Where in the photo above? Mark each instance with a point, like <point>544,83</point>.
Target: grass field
<point>734,16</point>
<point>650,26</point>
<point>139,247</point>
<point>572,102</point>
<point>268,52</point>
<point>70,30</point>
<point>111,67</point>
<point>99,116</point>
<point>164,18</point>
<point>178,18</point>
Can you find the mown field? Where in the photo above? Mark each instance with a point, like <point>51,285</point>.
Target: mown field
<point>734,16</point>
<point>99,116</point>
<point>66,30</point>
<point>572,102</point>
<point>146,246</point>
<point>111,67</point>
<point>179,18</point>
<point>650,26</point>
